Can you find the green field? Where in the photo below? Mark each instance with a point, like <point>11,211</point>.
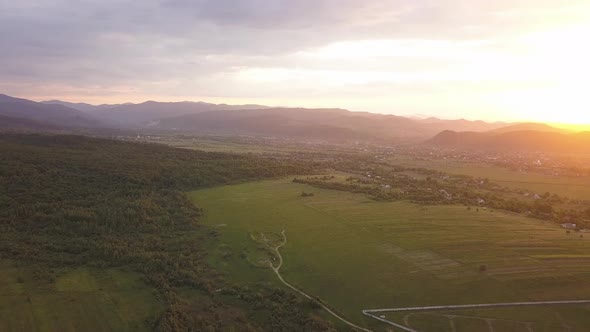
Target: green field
<point>573,187</point>
<point>551,318</point>
<point>78,300</point>
<point>355,253</point>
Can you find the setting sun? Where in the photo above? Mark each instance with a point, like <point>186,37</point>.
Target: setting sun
<point>537,75</point>
<point>524,61</point>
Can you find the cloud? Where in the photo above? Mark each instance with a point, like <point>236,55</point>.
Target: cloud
<point>282,48</point>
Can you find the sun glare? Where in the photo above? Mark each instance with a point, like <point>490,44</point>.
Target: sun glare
<point>561,58</point>
<point>535,76</point>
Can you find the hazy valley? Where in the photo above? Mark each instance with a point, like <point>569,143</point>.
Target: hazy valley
<point>438,207</point>
<point>294,166</point>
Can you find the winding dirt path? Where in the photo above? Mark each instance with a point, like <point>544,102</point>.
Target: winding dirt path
<point>278,273</point>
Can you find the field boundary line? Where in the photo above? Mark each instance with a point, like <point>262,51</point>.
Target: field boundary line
<point>399,326</point>
<point>371,312</point>
<point>483,305</point>
<point>278,273</point>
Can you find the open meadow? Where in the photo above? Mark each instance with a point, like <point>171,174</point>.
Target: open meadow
<point>355,253</point>
<point>77,300</point>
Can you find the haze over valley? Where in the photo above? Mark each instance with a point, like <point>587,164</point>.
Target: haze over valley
<point>246,165</point>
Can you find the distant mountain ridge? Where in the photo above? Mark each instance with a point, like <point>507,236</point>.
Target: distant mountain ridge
<point>318,123</point>
<point>138,115</point>
<point>207,118</point>
<point>530,126</point>
<point>54,115</point>
<point>259,120</point>
<point>84,107</point>
<point>12,123</point>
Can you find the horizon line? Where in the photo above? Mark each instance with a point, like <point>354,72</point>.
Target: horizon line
<point>419,116</point>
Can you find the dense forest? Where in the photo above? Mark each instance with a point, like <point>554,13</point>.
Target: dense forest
<point>68,201</point>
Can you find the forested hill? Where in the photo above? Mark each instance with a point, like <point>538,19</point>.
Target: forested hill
<point>70,201</point>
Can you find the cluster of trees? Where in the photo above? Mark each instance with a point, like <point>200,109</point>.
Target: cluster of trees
<point>68,201</point>
<point>354,188</point>
<point>386,183</point>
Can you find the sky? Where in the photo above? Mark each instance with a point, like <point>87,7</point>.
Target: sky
<point>509,60</point>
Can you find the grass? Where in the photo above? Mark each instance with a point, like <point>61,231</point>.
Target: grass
<point>573,187</point>
<point>562,256</point>
<point>78,300</point>
<point>552,318</point>
<point>356,253</point>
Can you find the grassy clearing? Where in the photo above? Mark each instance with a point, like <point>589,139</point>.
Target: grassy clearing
<point>428,322</point>
<point>553,318</point>
<point>78,300</point>
<point>356,253</point>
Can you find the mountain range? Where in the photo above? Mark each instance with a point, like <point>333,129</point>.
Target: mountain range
<point>206,118</point>
<point>258,120</point>
<point>46,114</point>
<point>140,115</point>
<point>12,123</point>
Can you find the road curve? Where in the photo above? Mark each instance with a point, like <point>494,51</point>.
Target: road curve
<point>373,312</point>
<point>278,273</point>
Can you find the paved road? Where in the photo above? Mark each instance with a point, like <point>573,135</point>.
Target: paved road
<point>371,313</point>
<point>278,273</point>
<point>485,305</point>
<point>399,326</point>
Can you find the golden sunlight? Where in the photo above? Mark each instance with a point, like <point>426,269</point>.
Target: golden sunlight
<point>558,62</point>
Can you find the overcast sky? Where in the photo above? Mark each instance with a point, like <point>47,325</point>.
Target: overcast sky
<point>493,60</point>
